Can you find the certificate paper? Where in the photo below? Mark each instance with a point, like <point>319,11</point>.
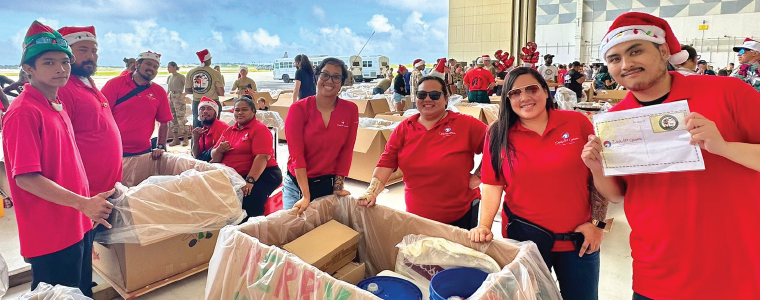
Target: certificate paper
<point>650,139</point>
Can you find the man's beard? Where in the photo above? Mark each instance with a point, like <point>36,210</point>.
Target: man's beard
<point>208,122</point>
<point>662,71</point>
<point>80,70</point>
<point>145,76</point>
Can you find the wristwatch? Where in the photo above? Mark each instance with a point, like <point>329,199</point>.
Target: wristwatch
<point>250,180</point>
<point>605,225</point>
<point>162,147</point>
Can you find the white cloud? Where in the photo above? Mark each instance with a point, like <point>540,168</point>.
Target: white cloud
<point>379,23</point>
<point>259,40</point>
<point>319,12</point>
<point>145,35</point>
<point>217,36</point>
<point>426,6</point>
<point>48,22</point>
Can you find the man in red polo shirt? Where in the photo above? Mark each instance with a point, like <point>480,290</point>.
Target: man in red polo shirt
<point>137,104</point>
<point>95,129</point>
<point>692,233</point>
<point>478,82</point>
<point>206,136</point>
<point>45,172</point>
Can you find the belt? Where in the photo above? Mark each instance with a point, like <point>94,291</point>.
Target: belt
<point>567,236</point>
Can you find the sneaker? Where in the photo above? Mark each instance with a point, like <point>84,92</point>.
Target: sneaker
<point>174,142</point>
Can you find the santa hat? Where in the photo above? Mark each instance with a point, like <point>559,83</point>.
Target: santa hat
<point>150,55</point>
<point>41,38</point>
<point>203,55</point>
<point>419,62</point>
<point>748,44</point>
<point>78,34</point>
<point>439,69</point>
<point>401,68</point>
<point>206,101</point>
<point>635,26</point>
<point>486,57</point>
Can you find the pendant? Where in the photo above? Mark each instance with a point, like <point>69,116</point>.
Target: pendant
<point>57,106</point>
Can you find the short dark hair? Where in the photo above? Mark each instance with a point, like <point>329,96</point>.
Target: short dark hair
<point>247,99</point>
<point>173,64</point>
<point>261,99</point>
<point>731,64</point>
<point>438,79</point>
<point>575,64</point>
<point>723,72</point>
<point>335,62</point>
<point>692,52</point>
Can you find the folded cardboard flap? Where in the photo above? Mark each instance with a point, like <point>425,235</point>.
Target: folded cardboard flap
<point>391,116</point>
<point>266,95</point>
<point>352,273</point>
<point>244,263</point>
<point>281,107</point>
<point>328,247</point>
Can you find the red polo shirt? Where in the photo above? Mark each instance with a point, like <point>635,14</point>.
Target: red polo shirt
<point>321,150</point>
<point>436,164</point>
<point>694,234</point>
<point>247,142</point>
<point>553,157</point>
<point>211,138</point>
<point>38,139</point>
<point>96,132</point>
<point>137,117</point>
<point>479,79</point>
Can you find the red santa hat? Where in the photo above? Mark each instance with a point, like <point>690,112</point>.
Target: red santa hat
<point>419,62</point>
<point>401,68</point>
<point>439,70</point>
<point>486,57</point>
<point>77,34</point>
<point>748,44</point>
<point>634,26</point>
<point>203,55</point>
<point>150,55</point>
<point>206,101</point>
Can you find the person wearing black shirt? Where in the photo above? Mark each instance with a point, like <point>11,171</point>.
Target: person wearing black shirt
<point>574,79</point>
<point>305,81</point>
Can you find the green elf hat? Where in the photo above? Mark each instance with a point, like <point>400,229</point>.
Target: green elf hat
<point>41,38</point>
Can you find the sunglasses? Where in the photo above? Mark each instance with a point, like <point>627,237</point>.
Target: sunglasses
<point>335,78</point>
<point>48,40</point>
<point>433,95</point>
<point>529,90</point>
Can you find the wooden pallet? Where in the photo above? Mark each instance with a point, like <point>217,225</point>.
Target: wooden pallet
<point>151,287</point>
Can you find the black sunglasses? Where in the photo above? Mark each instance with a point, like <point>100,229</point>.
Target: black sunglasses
<point>335,78</point>
<point>433,95</point>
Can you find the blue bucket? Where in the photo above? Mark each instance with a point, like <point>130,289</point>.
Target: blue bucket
<point>391,288</point>
<point>462,282</point>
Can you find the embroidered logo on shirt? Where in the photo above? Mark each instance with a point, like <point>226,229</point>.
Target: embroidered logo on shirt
<point>342,124</point>
<point>245,137</point>
<point>447,132</point>
<point>566,140</point>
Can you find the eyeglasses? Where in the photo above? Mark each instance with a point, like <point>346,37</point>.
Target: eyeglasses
<point>48,40</point>
<point>335,78</point>
<point>530,90</point>
<point>433,95</point>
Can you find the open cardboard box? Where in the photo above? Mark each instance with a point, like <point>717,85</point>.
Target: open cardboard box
<point>369,108</point>
<point>394,116</point>
<point>281,107</point>
<point>612,96</point>
<point>247,262</point>
<point>487,113</point>
<point>165,229</point>
<point>370,144</point>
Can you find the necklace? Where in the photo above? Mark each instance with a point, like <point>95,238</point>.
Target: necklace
<point>57,106</point>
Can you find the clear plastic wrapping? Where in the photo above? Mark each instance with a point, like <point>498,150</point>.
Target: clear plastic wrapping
<point>173,195</point>
<point>45,291</point>
<point>4,280</point>
<point>379,124</point>
<point>421,257</point>
<point>270,119</point>
<point>248,263</point>
<point>565,98</point>
<point>274,93</point>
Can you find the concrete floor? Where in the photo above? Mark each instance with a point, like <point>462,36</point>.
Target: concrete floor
<point>615,277</point>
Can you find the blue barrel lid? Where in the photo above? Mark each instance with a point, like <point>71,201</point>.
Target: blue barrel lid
<point>392,288</point>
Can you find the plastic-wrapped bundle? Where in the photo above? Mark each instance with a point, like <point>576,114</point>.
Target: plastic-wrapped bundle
<point>270,119</point>
<point>45,291</point>
<point>4,280</point>
<point>378,124</point>
<point>565,98</point>
<point>272,92</point>
<point>170,196</point>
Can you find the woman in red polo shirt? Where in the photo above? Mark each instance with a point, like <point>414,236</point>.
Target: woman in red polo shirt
<point>436,151</point>
<point>545,181</point>
<point>321,131</point>
<point>248,148</point>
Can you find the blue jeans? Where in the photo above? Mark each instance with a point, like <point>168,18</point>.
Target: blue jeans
<point>290,193</point>
<point>578,276</point>
<point>377,91</point>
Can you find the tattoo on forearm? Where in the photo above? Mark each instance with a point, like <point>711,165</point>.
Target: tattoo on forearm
<point>598,204</point>
<point>338,186</point>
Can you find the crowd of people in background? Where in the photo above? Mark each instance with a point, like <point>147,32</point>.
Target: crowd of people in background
<point>64,140</point>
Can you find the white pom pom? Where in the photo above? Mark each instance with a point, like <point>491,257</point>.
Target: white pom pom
<point>679,58</point>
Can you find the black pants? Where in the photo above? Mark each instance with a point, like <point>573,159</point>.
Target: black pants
<point>269,181</point>
<point>636,296</point>
<point>69,267</point>
<point>470,219</point>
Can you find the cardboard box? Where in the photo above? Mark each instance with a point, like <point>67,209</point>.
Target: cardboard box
<point>495,99</point>
<point>285,96</point>
<point>391,116</point>
<point>133,269</point>
<point>247,263</point>
<point>370,144</point>
<point>612,96</point>
<point>267,96</point>
<point>352,273</point>
<point>369,108</point>
<point>328,247</point>
<point>488,113</point>
<point>281,107</point>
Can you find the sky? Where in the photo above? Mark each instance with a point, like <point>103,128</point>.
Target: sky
<point>238,31</point>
